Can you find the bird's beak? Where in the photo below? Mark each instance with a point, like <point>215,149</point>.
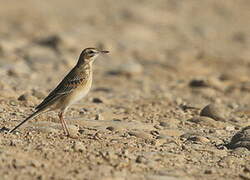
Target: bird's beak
<point>105,52</point>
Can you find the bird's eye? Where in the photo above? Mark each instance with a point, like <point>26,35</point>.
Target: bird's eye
<point>91,52</point>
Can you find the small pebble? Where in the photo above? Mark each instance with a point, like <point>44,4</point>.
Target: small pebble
<point>158,127</point>
<point>140,134</point>
<point>99,117</point>
<point>208,171</point>
<point>214,111</point>
<point>13,103</point>
<point>163,124</point>
<point>197,83</point>
<point>198,139</point>
<point>141,159</point>
<point>110,128</point>
<point>229,128</point>
<point>51,41</point>
<point>97,100</point>
<point>240,139</point>
<point>4,129</point>
<point>79,147</point>
<point>23,97</point>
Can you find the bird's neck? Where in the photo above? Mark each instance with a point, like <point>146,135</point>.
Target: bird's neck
<point>85,68</point>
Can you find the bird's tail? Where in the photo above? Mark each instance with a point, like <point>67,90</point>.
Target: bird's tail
<point>28,118</point>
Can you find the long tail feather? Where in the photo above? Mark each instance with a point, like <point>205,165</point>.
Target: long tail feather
<point>28,118</point>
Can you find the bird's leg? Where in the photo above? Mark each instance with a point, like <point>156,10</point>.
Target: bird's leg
<point>60,114</point>
<point>64,125</point>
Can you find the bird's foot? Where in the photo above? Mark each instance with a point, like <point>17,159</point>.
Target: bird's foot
<point>72,136</point>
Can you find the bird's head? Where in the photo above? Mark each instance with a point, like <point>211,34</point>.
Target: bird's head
<point>88,55</point>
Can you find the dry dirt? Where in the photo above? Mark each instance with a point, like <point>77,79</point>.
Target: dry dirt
<point>147,115</point>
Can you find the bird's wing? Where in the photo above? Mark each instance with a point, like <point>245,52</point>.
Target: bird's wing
<point>72,80</point>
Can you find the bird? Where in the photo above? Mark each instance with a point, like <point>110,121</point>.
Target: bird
<point>75,85</point>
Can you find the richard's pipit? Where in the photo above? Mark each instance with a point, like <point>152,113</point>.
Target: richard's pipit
<point>71,89</point>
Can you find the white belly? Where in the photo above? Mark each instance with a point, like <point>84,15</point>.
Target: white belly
<point>76,95</point>
<point>80,92</point>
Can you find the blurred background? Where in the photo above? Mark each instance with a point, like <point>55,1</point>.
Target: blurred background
<point>168,43</point>
<point>165,56</point>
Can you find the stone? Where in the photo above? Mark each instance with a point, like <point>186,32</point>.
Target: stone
<point>99,117</point>
<point>16,142</point>
<point>141,159</point>
<point>202,139</point>
<point>212,82</point>
<point>157,126</point>
<point>28,99</point>
<point>230,128</point>
<point>51,41</point>
<point>111,128</point>
<point>214,111</point>
<point>198,83</point>
<point>4,130</point>
<point>240,139</point>
<point>163,124</point>
<point>97,100</point>
<point>23,97</point>
<point>194,138</point>
<point>79,146</point>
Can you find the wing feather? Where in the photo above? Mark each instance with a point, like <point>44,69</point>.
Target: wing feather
<point>67,85</point>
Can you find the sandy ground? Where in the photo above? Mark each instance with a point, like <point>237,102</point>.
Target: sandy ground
<point>164,104</point>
